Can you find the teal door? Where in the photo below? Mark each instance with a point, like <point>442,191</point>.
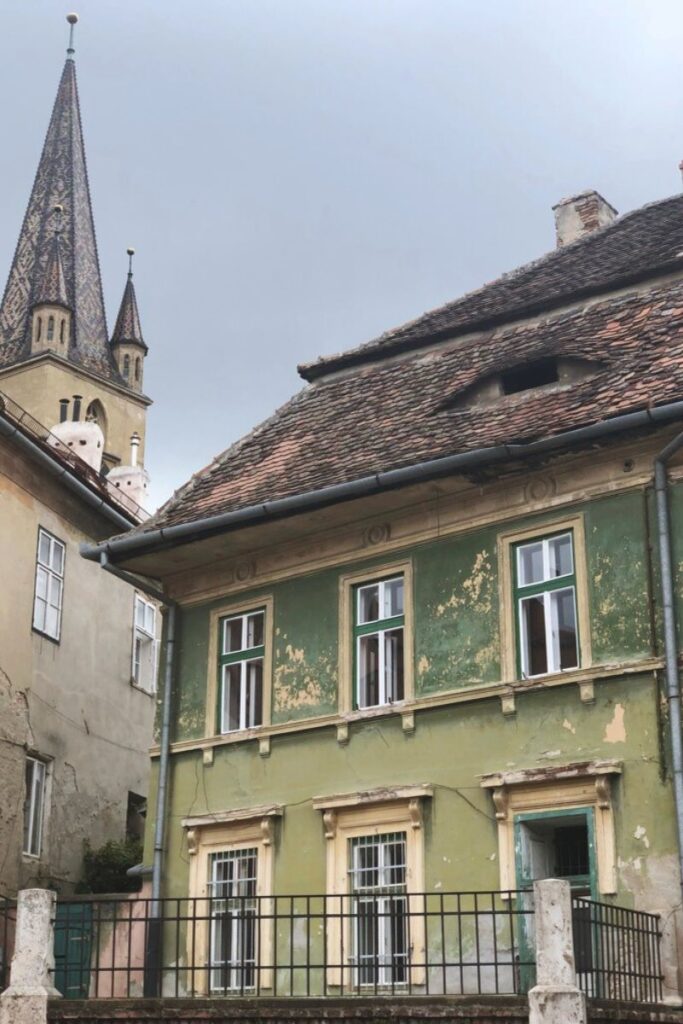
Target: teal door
<point>73,945</point>
<point>556,844</point>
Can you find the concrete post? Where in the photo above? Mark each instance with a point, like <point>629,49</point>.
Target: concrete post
<point>555,998</point>
<point>25,1001</point>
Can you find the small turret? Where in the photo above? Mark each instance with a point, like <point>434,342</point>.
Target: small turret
<point>127,344</point>
<point>51,310</point>
<point>132,480</point>
<point>83,437</point>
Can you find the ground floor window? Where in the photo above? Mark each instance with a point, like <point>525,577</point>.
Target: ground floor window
<point>233,912</point>
<point>34,806</point>
<point>380,913</point>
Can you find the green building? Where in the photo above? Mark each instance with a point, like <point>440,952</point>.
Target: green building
<point>418,637</point>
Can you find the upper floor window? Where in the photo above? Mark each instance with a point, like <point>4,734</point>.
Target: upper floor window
<point>378,642</point>
<point>545,601</point>
<point>47,604</point>
<point>34,804</point>
<point>241,657</point>
<point>144,645</point>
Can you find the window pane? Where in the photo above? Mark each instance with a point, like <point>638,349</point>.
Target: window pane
<point>530,563</point>
<point>139,613</point>
<point>368,604</point>
<point>564,614</point>
<point>368,671</point>
<point>57,557</point>
<point>39,614</point>
<point>393,664</point>
<point>534,654</point>
<point>232,675</point>
<point>393,598</point>
<point>149,618</point>
<point>42,578</point>
<point>232,635</point>
<point>44,549</point>
<point>254,712</point>
<point>255,630</point>
<point>55,592</point>
<point>560,552</point>
<point>52,621</point>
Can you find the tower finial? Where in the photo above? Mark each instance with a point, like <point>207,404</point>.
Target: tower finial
<point>72,19</point>
<point>131,253</point>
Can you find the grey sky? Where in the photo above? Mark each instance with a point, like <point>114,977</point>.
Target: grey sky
<point>299,175</point>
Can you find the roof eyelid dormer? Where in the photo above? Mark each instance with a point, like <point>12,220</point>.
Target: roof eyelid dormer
<point>541,374</point>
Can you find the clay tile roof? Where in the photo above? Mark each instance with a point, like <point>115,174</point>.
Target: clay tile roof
<point>636,245</point>
<point>397,413</point>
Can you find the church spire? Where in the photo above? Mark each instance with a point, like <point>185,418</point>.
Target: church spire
<point>61,180</point>
<point>127,344</point>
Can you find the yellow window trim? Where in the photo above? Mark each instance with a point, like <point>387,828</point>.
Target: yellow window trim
<point>255,829</point>
<point>340,825</point>
<point>580,785</point>
<point>347,582</point>
<point>266,602</point>
<point>508,619</point>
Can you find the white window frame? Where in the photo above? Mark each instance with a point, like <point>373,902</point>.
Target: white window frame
<point>142,635</point>
<point>32,842</point>
<point>54,578</point>
<point>384,698</point>
<point>248,914</point>
<point>244,662</point>
<point>383,896</point>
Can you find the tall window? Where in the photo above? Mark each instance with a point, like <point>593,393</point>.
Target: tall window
<point>545,598</point>
<point>233,914</point>
<point>378,642</point>
<point>144,645</point>
<point>36,773</point>
<point>241,671</point>
<point>61,331</point>
<point>47,604</point>
<point>137,368</point>
<point>380,912</point>
<point>50,328</point>
<point>126,367</point>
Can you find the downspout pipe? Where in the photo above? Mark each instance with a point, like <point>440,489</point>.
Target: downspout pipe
<point>142,541</point>
<point>673,688</point>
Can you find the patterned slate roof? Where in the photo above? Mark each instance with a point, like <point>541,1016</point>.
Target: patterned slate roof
<point>399,412</point>
<point>61,179</point>
<point>127,327</point>
<point>52,288</point>
<point>637,244</point>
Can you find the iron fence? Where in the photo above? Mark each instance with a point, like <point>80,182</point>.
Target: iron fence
<point>617,952</point>
<point>8,918</point>
<point>437,943</point>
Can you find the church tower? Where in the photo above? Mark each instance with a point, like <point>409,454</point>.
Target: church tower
<point>54,346</point>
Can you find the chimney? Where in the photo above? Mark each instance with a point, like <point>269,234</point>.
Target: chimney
<point>581,215</point>
<point>63,409</point>
<point>77,408</point>
<point>134,445</point>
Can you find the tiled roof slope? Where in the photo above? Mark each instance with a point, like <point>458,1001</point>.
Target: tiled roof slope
<point>391,414</point>
<point>636,245</point>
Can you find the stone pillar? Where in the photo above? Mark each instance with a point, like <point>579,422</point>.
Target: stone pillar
<point>30,985</point>
<point>555,998</point>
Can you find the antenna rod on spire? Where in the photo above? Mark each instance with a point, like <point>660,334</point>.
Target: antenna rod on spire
<point>72,19</point>
<point>131,253</point>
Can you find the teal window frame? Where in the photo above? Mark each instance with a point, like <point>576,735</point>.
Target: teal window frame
<point>547,586</point>
<point>380,627</point>
<point>243,657</point>
<point>585,881</point>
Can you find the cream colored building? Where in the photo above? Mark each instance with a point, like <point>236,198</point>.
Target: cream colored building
<point>78,647</point>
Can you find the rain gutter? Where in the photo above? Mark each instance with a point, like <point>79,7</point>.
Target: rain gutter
<point>145,541</point>
<point>673,689</point>
<point>57,469</point>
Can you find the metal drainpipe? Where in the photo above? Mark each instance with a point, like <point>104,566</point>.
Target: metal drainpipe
<point>673,690</point>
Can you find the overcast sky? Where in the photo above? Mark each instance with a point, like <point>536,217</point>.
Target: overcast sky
<point>299,175</point>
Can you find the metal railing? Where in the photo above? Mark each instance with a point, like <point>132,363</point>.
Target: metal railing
<point>437,943</point>
<point>8,919</point>
<point>617,952</point>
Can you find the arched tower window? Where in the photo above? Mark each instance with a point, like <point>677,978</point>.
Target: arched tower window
<point>40,328</point>
<point>50,328</point>
<point>137,368</point>
<point>95,412</point>
<point>62,325</point>
<point>126,367</point>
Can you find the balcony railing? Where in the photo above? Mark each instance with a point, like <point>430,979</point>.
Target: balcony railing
<point>437,943</point>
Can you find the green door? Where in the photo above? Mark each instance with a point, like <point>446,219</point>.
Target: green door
<point>556,844</point>
<point>73,944</point>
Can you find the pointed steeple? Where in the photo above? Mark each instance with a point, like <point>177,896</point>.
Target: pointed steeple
<point>127,344</point>
<point>61,180</point>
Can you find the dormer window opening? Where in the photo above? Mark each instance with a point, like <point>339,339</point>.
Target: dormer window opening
<point>50,328</point>
<point>529,376</point>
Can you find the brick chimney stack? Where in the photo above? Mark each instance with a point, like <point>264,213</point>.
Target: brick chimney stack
<point>580,215</point>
